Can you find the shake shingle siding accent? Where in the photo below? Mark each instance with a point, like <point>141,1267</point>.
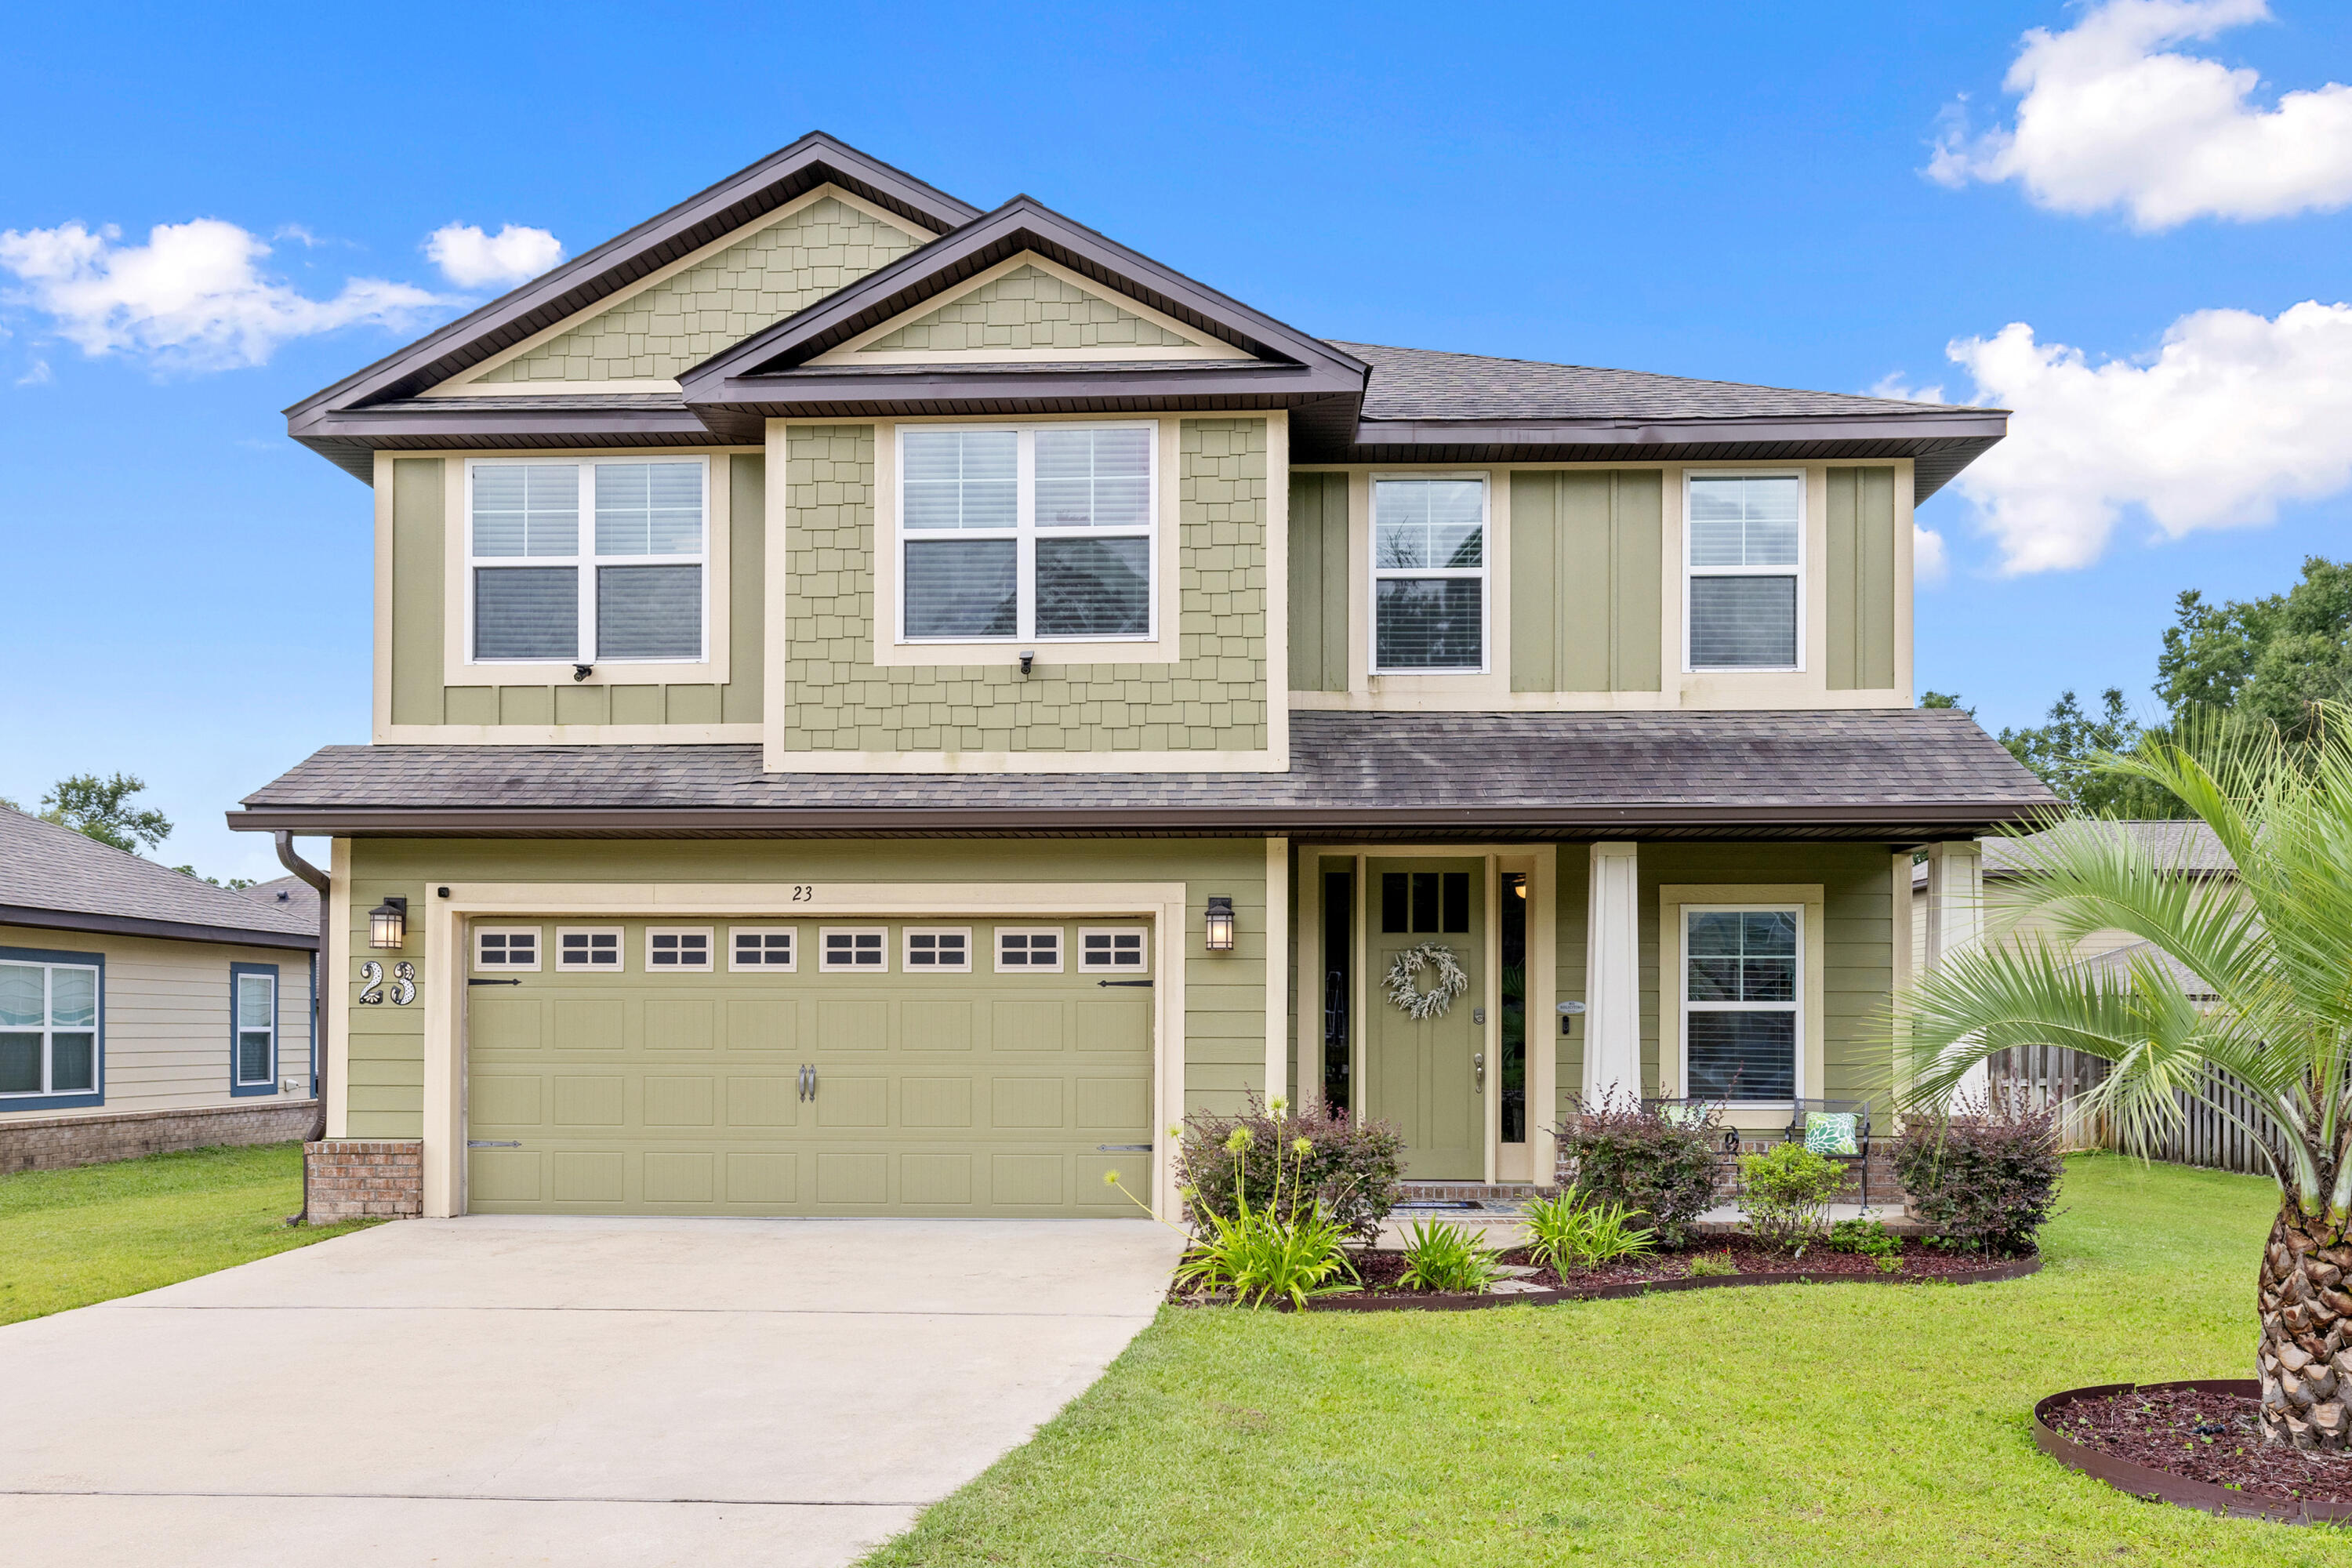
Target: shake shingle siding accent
<point>1897,773</point>
<point>1214,697</point>
<point>1026,310</point>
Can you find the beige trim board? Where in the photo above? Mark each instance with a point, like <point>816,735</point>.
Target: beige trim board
<point>1277,968</point>
<point>1812,960</point>
<point>334,988</point>
<point>548,388</point>
<point>442,988</point>
<point>1204,347</point>
<point>621,296</point>
<point>781,761</point>
<point>568,734</point>
<point>1486,698</point>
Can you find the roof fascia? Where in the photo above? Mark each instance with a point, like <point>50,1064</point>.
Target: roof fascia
<point>133,925</point>
<point>814,160</point>
<point>1943,424</point>
<point>734,374</point>
<point>363,424</point>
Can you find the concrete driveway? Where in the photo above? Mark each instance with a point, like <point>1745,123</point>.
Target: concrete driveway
<point>491,1391</point>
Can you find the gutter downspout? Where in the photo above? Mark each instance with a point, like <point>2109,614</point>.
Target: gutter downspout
<point>324,884</point>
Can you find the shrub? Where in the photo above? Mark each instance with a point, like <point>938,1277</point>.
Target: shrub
<point>1441,1257</point>
<point>1866,1237</point>
<point>1711,1266</point>
<point>1984,1179</point>
<point>1573,1231</point>
<point>1787,1195</point>
<point>1659,1166</point>
<point>1351,1170</point>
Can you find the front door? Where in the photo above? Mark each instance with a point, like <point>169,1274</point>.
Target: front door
<point>1428,1075</point>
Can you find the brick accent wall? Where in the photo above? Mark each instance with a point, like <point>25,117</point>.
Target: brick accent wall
<point>1214,698</point>
<point>55,1142</point>
<point>365,1178</point>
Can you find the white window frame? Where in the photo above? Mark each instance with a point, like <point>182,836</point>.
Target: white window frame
<point>792,935</point>
<point>1025,534</point>
<point>709,936</point>
<point>537,949</point>
<point>1484,574</point>
<point>48,1026</point>
<point>825,965</point>
<point>585,561</point>
<point>1795,1007</point>
<point>907,964</point>
<point>620,963</point>
<point>1061,949</point>
<point>1799,569</point>
<point>237,1029</point>
<point>1143,934</point>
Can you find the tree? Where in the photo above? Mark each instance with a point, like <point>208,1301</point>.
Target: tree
<point>2269,952</point>
<point>2067,751</point>
<point>2274,659</point>
<point>100,809</point>
<point>235,884</point>
<point>1943,699</point>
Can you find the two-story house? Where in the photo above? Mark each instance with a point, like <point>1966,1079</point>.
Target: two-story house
<point>882,708</point>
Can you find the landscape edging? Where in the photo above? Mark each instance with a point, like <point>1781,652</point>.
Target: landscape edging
<point>1447,1302</point>
<point>2152,1484</point>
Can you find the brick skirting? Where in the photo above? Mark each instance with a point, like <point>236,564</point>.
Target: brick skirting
<point>363,1178</point>
<point>54,1143</point>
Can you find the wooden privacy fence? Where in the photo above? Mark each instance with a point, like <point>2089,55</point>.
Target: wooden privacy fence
<point>2052,1078</point>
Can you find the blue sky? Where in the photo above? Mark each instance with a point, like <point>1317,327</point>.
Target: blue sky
<point>1733,192</point>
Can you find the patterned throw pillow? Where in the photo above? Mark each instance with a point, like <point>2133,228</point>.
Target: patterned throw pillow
<point>1830,1131</point>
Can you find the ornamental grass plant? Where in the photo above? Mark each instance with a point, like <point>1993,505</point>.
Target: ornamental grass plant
<point>1442,1256</point>
<point>1569,1231</point>
<point>1352,1169</point>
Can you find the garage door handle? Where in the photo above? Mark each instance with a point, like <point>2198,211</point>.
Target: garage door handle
<point>808,1082</point>
<point>493,1143</point>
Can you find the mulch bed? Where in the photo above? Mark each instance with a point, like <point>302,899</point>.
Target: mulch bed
<point>1381,1270</point>
<point>2203,1435</point>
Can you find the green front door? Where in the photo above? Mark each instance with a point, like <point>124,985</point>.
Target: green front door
<point>1424,1074</point>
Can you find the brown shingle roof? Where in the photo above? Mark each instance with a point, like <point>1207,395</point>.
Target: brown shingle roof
<point>55,876</point>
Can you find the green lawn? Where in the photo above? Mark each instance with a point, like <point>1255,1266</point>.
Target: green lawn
<point>1827,1423</point>
<point>72,1238</point>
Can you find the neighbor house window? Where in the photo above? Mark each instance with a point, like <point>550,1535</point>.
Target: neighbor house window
<point>252,1027</point>
<point>1739,1004</point>
<point>1010,534</point>
<point>1745,542</point>
<point>587,563</point>
<point>1429,572</point>
<point>48,1029</point>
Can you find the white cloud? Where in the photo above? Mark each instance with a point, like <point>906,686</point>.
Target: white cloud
<point>472,260</point>
<point>1893,386</point>
<point>2108,117</point>
<point>39,375</point>
<point>193,297</point>
<point>2233,415</point>
<point>1929,561</point>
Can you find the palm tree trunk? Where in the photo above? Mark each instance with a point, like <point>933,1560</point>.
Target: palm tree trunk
<point>2306,1349</point>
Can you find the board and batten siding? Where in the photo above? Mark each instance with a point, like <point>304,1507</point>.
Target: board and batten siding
<point>1587,569</point>
<point>1861,579</point>
<point>1214,697</point>
<point>1319,581</point>
<point>1224,993</point>
<point>422,534</point>
<point>167,1019</point>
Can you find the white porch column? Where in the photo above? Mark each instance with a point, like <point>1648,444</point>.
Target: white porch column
<point>1955,918</point>
<point>1613,971</point>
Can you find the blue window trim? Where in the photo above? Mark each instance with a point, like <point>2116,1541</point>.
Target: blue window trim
<point>276,1011</point>
<point>63,1101</point>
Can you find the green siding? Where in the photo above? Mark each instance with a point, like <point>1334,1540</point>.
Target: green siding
<point>720,302</point>
<point>1585,580</point>
<point>1861,571</point>
<point>1224,1018</point>
<point>1028,308</point>
<point>421,531</point>
<point>1319,581</point>
<point>1214,697</point>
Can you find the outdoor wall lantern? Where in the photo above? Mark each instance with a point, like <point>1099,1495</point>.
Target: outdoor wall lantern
<point>388,923</point>
<point>1217,927</point>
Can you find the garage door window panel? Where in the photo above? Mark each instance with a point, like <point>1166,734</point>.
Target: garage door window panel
<point>1029,949</point>
<point>586,949</point>
<point>772,950</point>
<point>937,950</point>
<point>507,948</point>
<point>1113,949</point>
<point>671,950</point>
<point>860,950</point>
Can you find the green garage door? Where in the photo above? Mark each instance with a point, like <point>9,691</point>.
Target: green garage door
<point>812,1068</point>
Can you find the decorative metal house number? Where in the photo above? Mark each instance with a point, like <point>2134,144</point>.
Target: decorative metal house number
<point>403,983</point>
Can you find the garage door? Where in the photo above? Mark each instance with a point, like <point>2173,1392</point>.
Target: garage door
<point>833,1068</point>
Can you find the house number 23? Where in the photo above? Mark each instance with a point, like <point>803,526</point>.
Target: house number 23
<point>403,983</point>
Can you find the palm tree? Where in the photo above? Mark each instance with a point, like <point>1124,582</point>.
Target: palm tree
<point>2252,980</point>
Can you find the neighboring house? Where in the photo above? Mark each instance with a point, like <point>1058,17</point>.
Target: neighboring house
<point>883,708</point>
<point>143,1010</point>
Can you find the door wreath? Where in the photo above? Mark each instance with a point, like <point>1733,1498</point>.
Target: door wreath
<point>1405,980</point>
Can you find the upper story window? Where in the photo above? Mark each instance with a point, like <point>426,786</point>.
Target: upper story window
<point>48,1028</point>
<point>1428,575</point>
<point>1746,547</point>
<point>1020,534</point>
<point>583,562</point>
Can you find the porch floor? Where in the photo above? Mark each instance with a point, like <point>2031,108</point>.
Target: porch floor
<point>1500,1220</point>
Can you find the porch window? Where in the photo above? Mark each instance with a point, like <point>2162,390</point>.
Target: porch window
<point>48,1029</point>
<point>1011,535</point>
<point>1739,1012</point>
<point>1429,572</point>
<point>1744,547</point>
<point>627,588</point>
